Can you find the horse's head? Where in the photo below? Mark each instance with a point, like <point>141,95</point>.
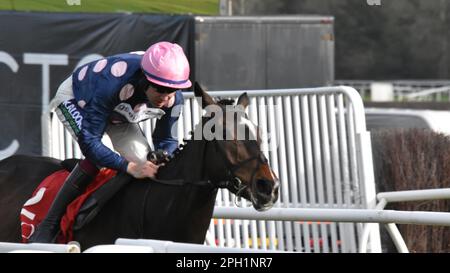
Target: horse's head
<point>240,164</point>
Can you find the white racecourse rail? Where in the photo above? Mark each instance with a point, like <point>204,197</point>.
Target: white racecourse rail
<point>317,143</point>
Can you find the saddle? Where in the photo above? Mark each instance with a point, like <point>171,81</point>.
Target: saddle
<point>97,200</point>
<point>81,211</point>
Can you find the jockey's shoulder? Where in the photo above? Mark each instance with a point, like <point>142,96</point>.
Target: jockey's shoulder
<point>117,65</point>
<point>128,57</point>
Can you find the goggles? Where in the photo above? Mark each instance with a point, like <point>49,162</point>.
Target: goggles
<point>162,89</point>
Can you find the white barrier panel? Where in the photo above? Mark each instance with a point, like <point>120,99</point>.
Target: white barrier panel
<point>120,249</point>
<point>317,144</point>
<point>160,246</point>
<point>403,196</point>
<point>38,248</point>
<point>412,90</point>
<point>339,215</point>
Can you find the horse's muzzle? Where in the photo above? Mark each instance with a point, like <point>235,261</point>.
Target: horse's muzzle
<point>265,194</point>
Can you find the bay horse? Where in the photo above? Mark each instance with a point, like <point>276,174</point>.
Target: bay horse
<point>149,209</point>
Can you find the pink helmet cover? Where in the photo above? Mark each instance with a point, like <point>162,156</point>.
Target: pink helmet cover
<point>166,64</point>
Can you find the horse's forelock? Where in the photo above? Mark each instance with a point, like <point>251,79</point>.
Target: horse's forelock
<point>225,102</point>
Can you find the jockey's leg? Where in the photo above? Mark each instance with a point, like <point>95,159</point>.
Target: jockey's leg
<point>76,182</point>
<point>129,141</point>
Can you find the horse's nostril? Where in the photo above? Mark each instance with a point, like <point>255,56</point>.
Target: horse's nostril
<point>264,187</point>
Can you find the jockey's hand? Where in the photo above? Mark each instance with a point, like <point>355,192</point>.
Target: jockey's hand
<point>158,157</point>
<point>148,169</point>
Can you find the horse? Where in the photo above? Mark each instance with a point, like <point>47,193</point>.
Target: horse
<point>151,209</point>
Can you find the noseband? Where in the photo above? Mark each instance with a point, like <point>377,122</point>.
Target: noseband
<point>232,181</point>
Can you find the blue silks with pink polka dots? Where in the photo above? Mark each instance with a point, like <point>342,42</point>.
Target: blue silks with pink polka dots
<point>99,87</point>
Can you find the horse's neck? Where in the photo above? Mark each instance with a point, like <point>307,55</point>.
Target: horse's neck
<point>187,164</point>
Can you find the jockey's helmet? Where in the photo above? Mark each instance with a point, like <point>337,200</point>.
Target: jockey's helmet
<point>165,64</point>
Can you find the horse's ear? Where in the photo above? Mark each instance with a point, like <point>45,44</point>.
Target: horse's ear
<point>199,92</point>
<point>243,100</point>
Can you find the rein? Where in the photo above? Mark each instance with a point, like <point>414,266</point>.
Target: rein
<point>180,182</point>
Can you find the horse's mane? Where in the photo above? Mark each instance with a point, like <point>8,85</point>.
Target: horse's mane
<point>186,141</point>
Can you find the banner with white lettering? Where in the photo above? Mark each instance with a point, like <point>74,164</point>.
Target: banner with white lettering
<point>39,50</point>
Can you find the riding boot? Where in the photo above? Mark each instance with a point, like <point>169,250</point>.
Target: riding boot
<point>74,185</point>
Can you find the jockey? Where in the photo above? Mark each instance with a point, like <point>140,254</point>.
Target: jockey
<point>111,96</point>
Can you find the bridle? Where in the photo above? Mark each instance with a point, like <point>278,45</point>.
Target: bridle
<point>232,182</point>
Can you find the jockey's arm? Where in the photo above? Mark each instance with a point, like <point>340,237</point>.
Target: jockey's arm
<point>96,118</point>
<point>95,121</point>
<point>165,134</point>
